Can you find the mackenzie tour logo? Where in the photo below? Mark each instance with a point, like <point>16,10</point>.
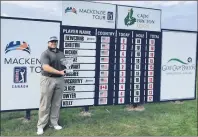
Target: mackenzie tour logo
<point>33,63</point>
<point>179,66</point>
<point>96,14</point>
<point>70,9</point>
<point>20,77</point>
<point>17,45</point>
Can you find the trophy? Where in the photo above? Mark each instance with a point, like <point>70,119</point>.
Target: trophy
<point>67,62</point>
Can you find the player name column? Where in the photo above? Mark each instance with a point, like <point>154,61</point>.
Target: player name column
<point>79,43</point>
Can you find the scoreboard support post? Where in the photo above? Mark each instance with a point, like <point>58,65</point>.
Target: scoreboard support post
<point>28,114</point>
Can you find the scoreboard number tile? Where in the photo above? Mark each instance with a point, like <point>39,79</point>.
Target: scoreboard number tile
<point>149,98</point>
<point>122,60</point>
<point>136,92</point>
<point>122,53</point>
<point>151,48</point>
<point>136,86</point>
<point>122,73</point>
<point>151,41</point>
<point>150,67</point>
<point>150,79</point>
<point>121,100</point>
<point>150,85</point>
<point>121,93</point>
<point>123,47</point>
<point>136,99</point>
<point>138,41</point>
<point>150,92</point>
<point>122,80</point>
<point>150,73</point>
<point>137,54</point>
<point>151,60</point>
<point>138,47</point>
<point>151,54</point>
<point>121,86</point>
<point>123,40</point>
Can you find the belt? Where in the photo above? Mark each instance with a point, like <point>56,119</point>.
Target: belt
<point>52,75</point>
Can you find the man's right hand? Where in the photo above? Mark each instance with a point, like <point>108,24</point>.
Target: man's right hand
<point>62,72</point>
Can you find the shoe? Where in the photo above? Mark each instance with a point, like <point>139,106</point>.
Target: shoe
<point>40,131</point>
<point>56,127</point>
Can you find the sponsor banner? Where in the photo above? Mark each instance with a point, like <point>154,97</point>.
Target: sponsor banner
<point>178,69</point>
<point>21,49</point>
<point>133,18</point>
<point>88,14</point>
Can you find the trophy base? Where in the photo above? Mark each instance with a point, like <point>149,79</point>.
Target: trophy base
<point>69,71</point>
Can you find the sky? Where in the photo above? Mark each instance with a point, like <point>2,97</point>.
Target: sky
<point>180,15</point>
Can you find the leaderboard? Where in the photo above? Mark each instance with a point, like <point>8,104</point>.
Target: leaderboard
<point>111,66</point>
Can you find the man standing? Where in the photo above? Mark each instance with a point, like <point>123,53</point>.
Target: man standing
<point>51,85</point>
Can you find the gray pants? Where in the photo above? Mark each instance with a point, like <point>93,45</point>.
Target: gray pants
<point>50,101</point>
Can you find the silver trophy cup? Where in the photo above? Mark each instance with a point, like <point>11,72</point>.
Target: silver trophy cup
<point>67,62</point>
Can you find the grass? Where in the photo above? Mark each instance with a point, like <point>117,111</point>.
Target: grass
<point>162,119</point>
<point>158,119</point>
